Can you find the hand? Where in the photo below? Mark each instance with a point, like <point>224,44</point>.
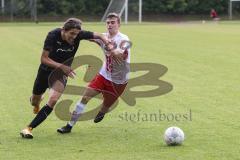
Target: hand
<point>105,39</point>
<point>110,46</point>
<point>68,71</point>
<point>72,74</point>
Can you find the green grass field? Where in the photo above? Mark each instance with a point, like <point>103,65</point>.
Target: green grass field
<point>203,65</point>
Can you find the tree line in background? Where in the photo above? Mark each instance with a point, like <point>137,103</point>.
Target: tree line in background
<point>97,7</point>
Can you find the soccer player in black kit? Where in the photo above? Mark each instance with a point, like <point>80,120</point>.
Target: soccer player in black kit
<point>60,45</point>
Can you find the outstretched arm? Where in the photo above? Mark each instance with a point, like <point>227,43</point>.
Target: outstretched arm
<point>97,41</point>
<point>101,37</point>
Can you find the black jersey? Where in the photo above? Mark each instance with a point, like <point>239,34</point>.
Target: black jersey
<point>59,50</point>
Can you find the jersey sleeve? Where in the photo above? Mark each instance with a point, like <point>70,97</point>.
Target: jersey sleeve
<point>85,35</point>
<point>126,53</point>
<point>49,42</point>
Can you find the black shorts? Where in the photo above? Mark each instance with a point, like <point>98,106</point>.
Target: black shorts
<point>46,79</point>
<point>41,82</point>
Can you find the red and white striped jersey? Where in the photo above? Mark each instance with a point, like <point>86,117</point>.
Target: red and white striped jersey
<point>117,73</point>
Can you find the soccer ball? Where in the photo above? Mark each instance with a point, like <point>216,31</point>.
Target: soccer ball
<point>173,136</point>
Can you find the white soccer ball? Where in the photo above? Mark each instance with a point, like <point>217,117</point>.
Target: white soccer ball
<point>173,136</point>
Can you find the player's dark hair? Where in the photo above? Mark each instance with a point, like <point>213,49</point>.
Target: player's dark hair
<point>114,15</point>
<point>72,23</point>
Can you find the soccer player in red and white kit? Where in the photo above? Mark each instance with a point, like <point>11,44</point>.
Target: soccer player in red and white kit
<point>112,77</point>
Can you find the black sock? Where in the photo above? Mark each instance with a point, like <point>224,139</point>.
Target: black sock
<point>41,116</point>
